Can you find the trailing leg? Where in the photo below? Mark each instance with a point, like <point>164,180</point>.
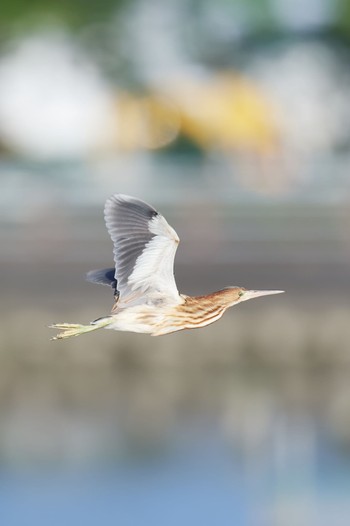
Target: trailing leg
<point>75,329</point>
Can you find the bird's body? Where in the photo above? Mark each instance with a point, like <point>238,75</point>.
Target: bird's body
<point>146,296</point>
<point>190,312</point>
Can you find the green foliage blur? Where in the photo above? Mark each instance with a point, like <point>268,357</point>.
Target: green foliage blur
<point>260,15</point>
<point>74,13</point>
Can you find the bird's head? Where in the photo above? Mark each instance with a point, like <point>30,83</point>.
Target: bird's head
<point>238,294</point>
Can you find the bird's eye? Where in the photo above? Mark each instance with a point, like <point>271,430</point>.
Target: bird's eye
<point>240,294</point>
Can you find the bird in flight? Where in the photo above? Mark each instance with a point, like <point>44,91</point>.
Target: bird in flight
<point>145,291</point>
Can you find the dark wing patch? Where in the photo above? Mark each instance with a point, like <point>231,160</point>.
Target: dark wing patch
<point>102,276</point>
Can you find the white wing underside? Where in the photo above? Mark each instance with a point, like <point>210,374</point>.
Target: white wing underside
<point>144,251</point>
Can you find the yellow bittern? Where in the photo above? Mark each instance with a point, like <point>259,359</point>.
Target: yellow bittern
<point>145,292</point>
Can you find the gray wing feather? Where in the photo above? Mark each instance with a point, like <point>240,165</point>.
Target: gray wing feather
<point>144,249</point>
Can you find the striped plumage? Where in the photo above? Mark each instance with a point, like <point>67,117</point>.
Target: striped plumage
<point>198,311</point>
<point>146,296</point>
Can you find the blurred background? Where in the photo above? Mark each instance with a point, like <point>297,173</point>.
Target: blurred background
<point>233,119</point>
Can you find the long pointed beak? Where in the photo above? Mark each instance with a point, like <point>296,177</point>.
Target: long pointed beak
<point>256,293</point>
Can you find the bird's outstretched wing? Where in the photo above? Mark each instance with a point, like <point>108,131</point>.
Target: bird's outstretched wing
<point>144,251</point>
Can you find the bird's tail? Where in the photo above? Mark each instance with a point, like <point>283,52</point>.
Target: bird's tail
<point>75,329</point>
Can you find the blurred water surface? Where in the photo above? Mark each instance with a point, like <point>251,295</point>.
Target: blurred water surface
<point>244,422</point>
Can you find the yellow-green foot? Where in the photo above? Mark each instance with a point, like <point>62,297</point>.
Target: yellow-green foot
<point>75,329</point>
<point>71,329</point>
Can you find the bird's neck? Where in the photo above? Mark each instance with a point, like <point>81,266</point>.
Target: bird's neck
<point>221,298</point>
